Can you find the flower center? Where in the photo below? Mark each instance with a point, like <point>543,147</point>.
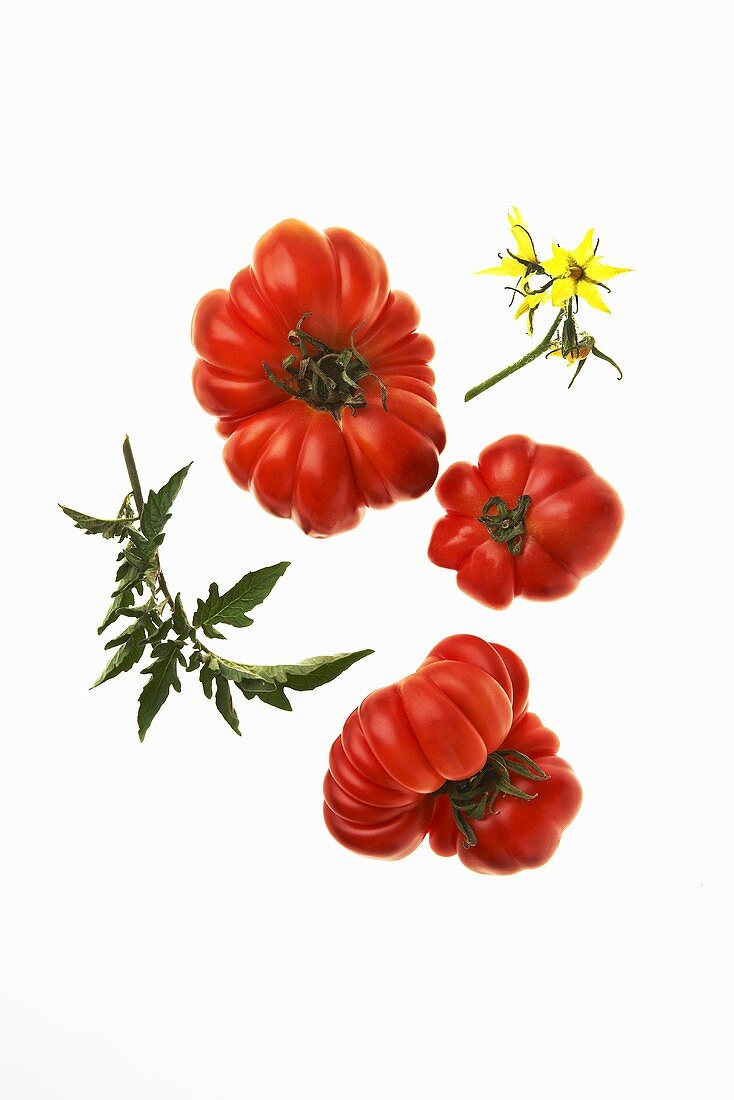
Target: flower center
<point>576,272</point>
<point>325,379</point>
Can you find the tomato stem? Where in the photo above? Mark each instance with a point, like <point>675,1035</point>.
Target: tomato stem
<point>473,799</point>
<point>325,379</point>
<point>132,473</point>
<point>506,525</point>
<point>544,344</point>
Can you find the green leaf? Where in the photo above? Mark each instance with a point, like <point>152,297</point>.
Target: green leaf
<point>180,622</point>
<point>120,603</point>
<point>156,509</point>
<point>137,627</point>
<point>125,656</point>
<point>213,633</point>
<point>224,704</point>
<point>140,551</point>
<point>195,660</point>
<point>248,676</point>
<point>276,698</point>
<point>163,674</point>
<point>93,525</point>
<point>206,675</point>
<point>229,607</point>
<point>311,673</point>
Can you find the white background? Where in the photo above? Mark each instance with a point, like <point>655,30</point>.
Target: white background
<point>175,919</point>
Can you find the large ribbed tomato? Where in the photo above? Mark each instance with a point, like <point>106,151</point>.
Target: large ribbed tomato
<point>319,380</point>
<point>512,807</point>
<point>528,520</point>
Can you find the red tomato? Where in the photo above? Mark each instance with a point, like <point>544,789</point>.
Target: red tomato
<point>344,416</point>
<point>518,835</point>
<point>528,520</point>
<point>371,811</point>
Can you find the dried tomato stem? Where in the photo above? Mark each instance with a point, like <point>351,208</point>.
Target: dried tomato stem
<point>473,799</point>
<point>325,379</point>
<point>506,525</point>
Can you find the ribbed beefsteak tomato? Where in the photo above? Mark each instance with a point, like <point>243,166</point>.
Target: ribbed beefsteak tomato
<point>529,520</point>
<point>319,379</point>
<point>501,816</point>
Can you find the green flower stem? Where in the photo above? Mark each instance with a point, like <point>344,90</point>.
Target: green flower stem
<point>544,344</point>
<point>132,473</point>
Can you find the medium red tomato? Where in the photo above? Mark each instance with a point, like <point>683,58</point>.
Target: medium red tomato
<point>528,520</point>
<point>515,834</point>
<point>319,379</point>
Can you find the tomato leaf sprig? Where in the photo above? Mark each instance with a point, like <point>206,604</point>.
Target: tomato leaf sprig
<point>161,627</point>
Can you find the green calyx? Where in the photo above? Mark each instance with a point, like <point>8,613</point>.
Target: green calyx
<point>325,379</point>
<point>506,525</point>
<point>473,799</point>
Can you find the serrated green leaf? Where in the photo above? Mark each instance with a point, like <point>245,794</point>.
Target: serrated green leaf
<point>212,633</point>
<point>224,705</point>
<point>311,673</point>
<point>161,630</point>
<point>156,509</point>
<point>277,698</point>
<point>140,552</point>
<point>206,676</point>
<point>93,525</point>
<point>163,674</point>
<point>124,658</point>
<point>180,622</point>
<point>137,627</point>
<point>195,660</point>
<point>229,607</point>
<point>246,675</point>
<point>120,603</point>
<point>129,579</point>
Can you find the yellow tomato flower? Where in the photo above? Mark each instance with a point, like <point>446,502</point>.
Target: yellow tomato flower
<point>579,272</point>
<point>516,265</point>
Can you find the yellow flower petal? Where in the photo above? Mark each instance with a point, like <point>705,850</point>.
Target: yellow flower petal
<point>521,233</point>
<point>600,272</point>
<point>562,290</point>
<point>585,251</point>
<point>591,293</point>
<point>557,266</point>
<point>509,267</point>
